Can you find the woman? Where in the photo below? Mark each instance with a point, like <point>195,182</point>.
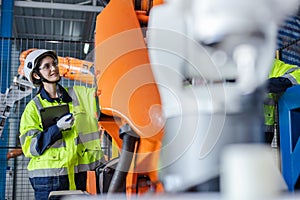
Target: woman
<point>59,154</point>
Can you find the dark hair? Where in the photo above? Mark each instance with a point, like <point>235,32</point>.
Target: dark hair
<point>34,80</point>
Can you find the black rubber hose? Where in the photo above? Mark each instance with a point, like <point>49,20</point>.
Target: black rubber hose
<point>118,181</point>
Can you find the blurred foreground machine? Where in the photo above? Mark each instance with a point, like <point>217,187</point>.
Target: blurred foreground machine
<point>210,59</point>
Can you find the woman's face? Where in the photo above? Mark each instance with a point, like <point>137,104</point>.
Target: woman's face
<point>49,69</point>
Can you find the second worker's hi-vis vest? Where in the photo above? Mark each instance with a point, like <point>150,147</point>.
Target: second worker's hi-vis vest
<point>280,69</point>
<point>79,149</point>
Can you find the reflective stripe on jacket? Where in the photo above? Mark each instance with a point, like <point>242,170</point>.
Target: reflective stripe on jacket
<point>78,149</point>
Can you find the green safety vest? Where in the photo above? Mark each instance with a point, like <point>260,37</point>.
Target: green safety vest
<point>280,69</point>
<point>79,149</point>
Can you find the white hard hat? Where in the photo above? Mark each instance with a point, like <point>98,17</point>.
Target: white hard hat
<point>33,59</point>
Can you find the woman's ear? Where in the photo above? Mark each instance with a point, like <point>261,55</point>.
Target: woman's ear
<point>36,76</point>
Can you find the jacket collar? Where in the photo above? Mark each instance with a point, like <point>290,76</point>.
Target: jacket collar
<point>64,96</point>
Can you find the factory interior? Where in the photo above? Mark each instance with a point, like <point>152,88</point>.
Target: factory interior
<point>149,99</point>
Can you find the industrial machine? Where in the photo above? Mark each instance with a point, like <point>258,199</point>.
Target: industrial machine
<point>210,60</point>
<point>177,91</point>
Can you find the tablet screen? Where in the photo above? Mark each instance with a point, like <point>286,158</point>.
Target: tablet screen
<point>51,114</point>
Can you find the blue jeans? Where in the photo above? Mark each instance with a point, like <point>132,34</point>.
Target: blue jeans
<point>44,185</point>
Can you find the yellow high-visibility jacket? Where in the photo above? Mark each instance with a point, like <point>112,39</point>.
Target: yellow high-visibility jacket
<point>71,151</point>
<point>279,69</point>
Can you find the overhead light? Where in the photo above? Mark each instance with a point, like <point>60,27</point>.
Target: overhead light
<point>86,48</point>
<point>54,41</point>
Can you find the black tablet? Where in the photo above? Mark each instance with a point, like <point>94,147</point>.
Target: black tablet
<point>51,114</point>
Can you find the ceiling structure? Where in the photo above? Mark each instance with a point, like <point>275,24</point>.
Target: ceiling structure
<point>59,21</point>
<point>56,19</point>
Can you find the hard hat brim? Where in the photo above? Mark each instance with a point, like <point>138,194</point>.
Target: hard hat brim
<point>40,57</point>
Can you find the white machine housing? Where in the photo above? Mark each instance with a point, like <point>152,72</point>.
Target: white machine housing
<point>210,59</point>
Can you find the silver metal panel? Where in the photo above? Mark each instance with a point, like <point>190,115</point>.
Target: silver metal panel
<point>57,20</point>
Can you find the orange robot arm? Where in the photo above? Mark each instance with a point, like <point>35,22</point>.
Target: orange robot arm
<point>142,13</point>
<point>127,87</point>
